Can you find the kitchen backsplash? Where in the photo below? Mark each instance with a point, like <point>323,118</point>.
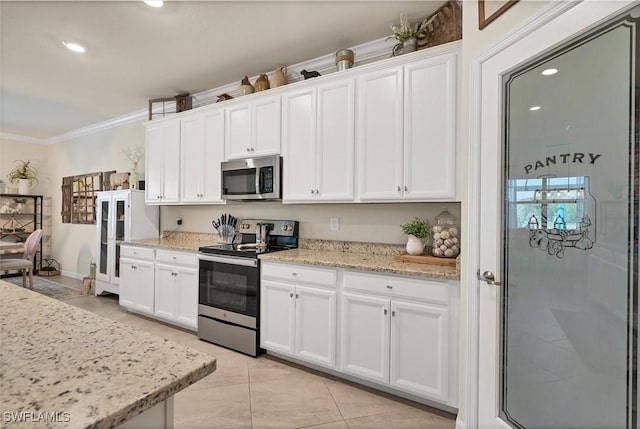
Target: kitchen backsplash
<point>369,223</point>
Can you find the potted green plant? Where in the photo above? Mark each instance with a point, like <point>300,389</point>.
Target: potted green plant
<point>418,232</point>
<point>24,174</point>
<point>407,35</point>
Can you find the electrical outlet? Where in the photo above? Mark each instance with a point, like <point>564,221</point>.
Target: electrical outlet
<point>178,221</point>
<point>334,223</point>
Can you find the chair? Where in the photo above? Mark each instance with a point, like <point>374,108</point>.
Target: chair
<point>24,264</point>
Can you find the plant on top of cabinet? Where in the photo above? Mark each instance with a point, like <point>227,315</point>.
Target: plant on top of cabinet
<point>407,35</point>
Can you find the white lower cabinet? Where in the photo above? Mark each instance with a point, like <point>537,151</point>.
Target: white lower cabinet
<point>399,333</point>
<point>297,316</point>
<point>161,284</point>
<point>136,285</point>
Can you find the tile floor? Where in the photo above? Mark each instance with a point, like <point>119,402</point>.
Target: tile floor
<point>270,393</point>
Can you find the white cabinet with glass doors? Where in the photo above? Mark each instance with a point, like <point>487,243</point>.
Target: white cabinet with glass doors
<point>121,216</point>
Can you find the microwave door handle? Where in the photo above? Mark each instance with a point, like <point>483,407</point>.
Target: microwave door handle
<point>258,181</point>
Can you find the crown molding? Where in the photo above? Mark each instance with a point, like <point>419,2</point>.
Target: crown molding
<point>22,139</point>
<point>364,53</point>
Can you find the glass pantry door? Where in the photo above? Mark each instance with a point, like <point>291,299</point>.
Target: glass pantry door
<point>568,299</point>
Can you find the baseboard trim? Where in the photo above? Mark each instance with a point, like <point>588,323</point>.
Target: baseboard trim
<point>73,275</point>
<point>459,423</point>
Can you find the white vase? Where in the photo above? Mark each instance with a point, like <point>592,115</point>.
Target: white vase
<point>24,186</point>
<point>133,180</point>
<point>415,246</point>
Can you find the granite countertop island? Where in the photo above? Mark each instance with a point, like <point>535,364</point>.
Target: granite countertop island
<point>64,367</point>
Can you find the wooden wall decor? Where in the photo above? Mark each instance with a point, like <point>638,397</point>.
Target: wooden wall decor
<point>79,197</point>
<point>488,11</point>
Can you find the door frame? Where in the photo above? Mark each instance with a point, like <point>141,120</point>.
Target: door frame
<point>556,22</point>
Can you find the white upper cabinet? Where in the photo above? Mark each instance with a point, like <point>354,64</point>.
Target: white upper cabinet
<point>202,151</point>
<point>380,134</point>
<point>407,131</point>
<point>318,143</point>
<point>299,143</point>
<point>430,129</point>
<point>253,128</point>
<point>163,162</point>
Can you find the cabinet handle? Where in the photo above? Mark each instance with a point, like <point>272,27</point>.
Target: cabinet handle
<point>248,150</point>
<point>406,189</point>
<point>252,149</point>
<point>294,274</point>
<point>385,311</point>
<point>174,257</point>
<point>297,296</point>
<point>290,294</point>
<point>312,192</point>
<point>393,314</point>
<point>317,192</point>
<point>399,189</point>
<point>389,287</point>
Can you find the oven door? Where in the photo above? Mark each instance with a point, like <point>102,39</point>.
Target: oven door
<point>229,283</point>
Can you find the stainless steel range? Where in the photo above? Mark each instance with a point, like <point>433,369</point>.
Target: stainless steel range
<point>229,283</point>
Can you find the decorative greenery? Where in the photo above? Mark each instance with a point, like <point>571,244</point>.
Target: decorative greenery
<point>418,227</point>
<point>406,31</point>
<point>24,170</point>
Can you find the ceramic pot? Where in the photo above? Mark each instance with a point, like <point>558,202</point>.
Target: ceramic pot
<point>24,186</point>
<point>246,87</point>
<point>261,83</point>
<point>344,59</point>
<point>279,77</point>
<point>409,45</point>
<point>415,246</point>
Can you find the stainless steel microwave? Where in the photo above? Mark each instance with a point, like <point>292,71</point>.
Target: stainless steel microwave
<point>252,179</point>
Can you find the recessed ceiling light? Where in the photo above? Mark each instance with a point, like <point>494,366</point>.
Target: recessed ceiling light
<point>534,108</point>
<point>549,72</point>
<point>74,47</point>
<point>154,3</point>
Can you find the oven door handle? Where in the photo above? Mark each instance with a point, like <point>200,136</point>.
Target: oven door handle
<point>246,262</point>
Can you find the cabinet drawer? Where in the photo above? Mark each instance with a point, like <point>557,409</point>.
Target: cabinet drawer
<point>395,287</point>
<point>177,258</point>
<point>133,252</point>
<point>299,273</point>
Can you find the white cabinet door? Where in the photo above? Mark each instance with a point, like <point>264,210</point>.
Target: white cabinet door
<point>315,325</point>
<point>277,316</point>
<point>419,349</point>
<point>202,151</point>
<point>165,291</point>
<point>191,163</point>
<point>380,134</point>
<point>238,131</point>
<point>162,162</point>
<point>335,141</point>
<point>187,297</point>
<point>299,146</point>
<point>146,289</point>
<point>128,283</point>
<point>266,127</point>
<point>154,154</point>
<point>365,337</point>
<point>430,128</point>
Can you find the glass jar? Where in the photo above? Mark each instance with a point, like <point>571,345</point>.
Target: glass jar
<point>445,237</point>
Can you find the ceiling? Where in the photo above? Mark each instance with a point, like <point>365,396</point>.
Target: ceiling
<point>136,53</point>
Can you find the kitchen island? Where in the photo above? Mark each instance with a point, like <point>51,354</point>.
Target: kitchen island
<point>64,367</point>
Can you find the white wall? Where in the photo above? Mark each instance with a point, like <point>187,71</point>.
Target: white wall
<point>73,245</point>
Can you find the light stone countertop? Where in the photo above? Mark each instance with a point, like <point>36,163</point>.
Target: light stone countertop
<point>189,241</point>
<point>362,261</point>
<point>55,357</point>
